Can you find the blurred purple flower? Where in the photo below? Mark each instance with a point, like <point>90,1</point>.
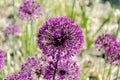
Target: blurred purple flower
<point>1,59</point>
<point>113,53</point>
<point>110,46</point>
<point>12,29</point>
<point>36,65</point>
<point>104,41</point>
<point>65,70</point>
<point>23,75</point>
<point>29,10</point>
<point>60,36</point>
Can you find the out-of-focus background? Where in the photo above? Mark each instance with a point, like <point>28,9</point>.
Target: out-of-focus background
<point>95,17</point>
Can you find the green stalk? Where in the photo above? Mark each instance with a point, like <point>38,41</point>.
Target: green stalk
<point>14,20</point>
<point>118,72</point>
<point>26,41</point>
<point>84,26</point>
<point>2,74</point>
<point>23,40</point>
<point>8,63</point>
<point>73,5</point>
<point>102,25</point>
<point>32,43</point>
<point>109,72</point>
<point>118,29</point>
<point>14,38</point>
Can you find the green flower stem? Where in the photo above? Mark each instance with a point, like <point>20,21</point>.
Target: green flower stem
<point>26,41</point>
<point>109,72</point>
<point>23,38</point>
<point>2,74</point>
<point>118,29</point>
<point>14,53</point>
<point>8,63</point>
<point>14,38</point>
<point>102,25</point>
<point>118,72</point>
<point>73,5</point>
<point>14,13</point>
<point>32,43</point>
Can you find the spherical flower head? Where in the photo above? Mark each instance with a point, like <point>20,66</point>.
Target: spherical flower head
<point>23,75</point>
<point>65,70</point>
<point>60,36</point>
<point>36,65</point>
<point>12,29</point>
<point>1,59</point>
<point>29,10</point>
<point>104,41</point>
<point>113,53</point>
<point>110,46</point>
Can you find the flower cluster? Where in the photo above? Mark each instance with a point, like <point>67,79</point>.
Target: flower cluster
<point>29,10</point>
<point>12,29</point>
<point>110,46</point>
<point>60,39</point>
<point>33,68</point>
<point>45,67</point>
<point>36,65</point>
<point>1,59</point>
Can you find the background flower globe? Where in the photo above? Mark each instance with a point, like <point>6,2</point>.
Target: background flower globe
<point>29,10</point>
<point>12,29</point>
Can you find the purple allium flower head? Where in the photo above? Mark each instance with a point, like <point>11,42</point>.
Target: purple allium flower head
<point>36,65</point>
<point>113,53</point>
<point>65,70</point>
<point>1,59</point>
<point>29,10</point>
<point>60,36</point>
<point>12,29</point>
<point>110,46</point>
<point>105,41</point>
<point>23,75</point>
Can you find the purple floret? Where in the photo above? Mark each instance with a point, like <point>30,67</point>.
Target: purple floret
<point>29,10</point>
<point>60,36</point>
